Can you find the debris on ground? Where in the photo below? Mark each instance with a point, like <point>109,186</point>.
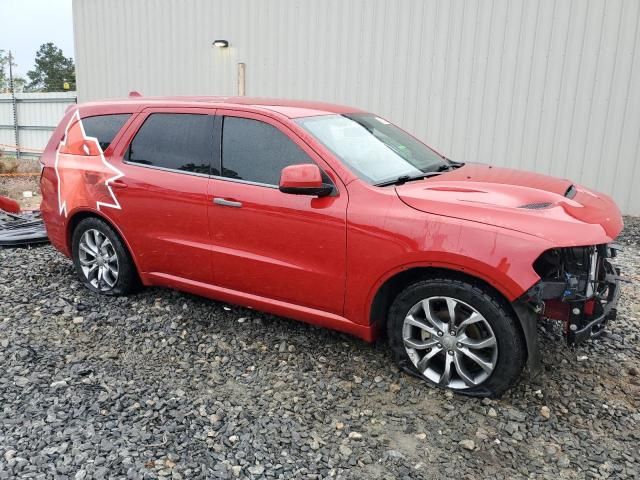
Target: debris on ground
<point>20,229</point>
<point>9,205</point>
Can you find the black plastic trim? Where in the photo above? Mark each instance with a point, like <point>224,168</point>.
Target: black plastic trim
<point>579,332</point>
<point>529,323</point>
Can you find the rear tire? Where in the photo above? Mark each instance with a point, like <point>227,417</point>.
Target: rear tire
<point>481,353</point>
<point>101,259</point>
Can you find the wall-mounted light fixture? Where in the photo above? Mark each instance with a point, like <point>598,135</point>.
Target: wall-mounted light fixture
<point>221,43</point>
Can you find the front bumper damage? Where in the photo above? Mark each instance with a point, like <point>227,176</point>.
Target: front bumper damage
<point>579,287</point>
<point>583,325</point>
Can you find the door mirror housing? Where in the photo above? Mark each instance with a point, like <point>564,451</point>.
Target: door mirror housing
<point>305,179</point>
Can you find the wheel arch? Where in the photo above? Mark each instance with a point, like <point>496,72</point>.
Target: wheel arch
<point>79,215</point>
<point>394,284</point>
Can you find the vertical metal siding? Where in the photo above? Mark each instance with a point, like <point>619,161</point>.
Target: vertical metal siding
<point>38,116</point>
<point>546,85</point>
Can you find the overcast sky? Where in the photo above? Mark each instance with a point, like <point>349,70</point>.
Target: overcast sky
<point>27,24</point>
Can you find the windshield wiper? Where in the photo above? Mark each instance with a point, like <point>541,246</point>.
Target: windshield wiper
<point>447,167</point>
<point>406,178</point>
<point>450,165</point>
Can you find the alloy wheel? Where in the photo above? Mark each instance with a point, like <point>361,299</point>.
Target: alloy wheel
<point>450,342</point>
<point>98,260</point>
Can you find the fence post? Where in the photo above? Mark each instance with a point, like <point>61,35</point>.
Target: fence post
<point>241,79</point>
<point>16,134</point>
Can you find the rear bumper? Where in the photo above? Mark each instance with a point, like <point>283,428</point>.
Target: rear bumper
<point>55,229</point>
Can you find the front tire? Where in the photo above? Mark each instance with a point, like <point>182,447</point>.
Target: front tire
<point>101,259</point>
<point>458,336</point>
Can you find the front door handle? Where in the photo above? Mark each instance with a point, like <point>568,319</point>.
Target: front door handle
<point>227,203</point>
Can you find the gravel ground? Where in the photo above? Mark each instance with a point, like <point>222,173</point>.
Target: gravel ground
<point>167,385</point>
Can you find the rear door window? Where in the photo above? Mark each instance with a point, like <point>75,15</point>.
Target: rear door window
<point>175,141</point>
<point>104,127</point>
<point>257,152</point>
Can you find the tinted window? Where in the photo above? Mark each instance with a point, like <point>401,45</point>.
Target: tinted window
<point>177,141</point>
<point>104,127</point>
<point>256,151</point>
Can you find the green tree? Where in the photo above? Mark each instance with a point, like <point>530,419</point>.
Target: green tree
<point>19,84</point>
<point>52,70</point>
<point>4,70</point>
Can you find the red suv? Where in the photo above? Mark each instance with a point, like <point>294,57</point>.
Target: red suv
<point>336,217</point>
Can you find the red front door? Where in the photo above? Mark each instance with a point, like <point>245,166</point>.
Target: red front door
<point>268,243</point>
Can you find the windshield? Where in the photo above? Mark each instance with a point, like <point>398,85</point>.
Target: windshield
<point>374,149</point>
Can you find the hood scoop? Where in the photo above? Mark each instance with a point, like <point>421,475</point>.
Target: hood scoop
<point>536,206</point>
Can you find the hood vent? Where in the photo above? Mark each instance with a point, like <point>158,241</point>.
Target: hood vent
<point>536,206</point>
<point>571,191</point>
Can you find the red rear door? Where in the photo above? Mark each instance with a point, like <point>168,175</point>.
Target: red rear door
<point>166,156</point>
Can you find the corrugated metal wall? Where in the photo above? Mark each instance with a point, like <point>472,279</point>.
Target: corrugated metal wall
<point>38,115</point>
<point>545,85</point>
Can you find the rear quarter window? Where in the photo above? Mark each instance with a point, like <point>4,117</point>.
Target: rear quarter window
<point>104,127</point>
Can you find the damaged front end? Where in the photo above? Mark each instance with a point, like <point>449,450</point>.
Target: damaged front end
<point>579,286</point>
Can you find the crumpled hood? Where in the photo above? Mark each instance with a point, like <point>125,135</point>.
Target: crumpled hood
<point>539,205</point>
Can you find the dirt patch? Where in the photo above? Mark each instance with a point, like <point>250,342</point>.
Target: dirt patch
<point>9,164</point>
<point>15,187</point>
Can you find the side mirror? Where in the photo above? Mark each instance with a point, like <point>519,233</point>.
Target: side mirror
<point>305,179</point>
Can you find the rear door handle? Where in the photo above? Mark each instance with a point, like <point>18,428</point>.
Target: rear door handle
<point>227,203</point>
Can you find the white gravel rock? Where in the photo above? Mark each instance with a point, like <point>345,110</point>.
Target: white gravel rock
<point>545,412</point>
<point>467,444</point>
